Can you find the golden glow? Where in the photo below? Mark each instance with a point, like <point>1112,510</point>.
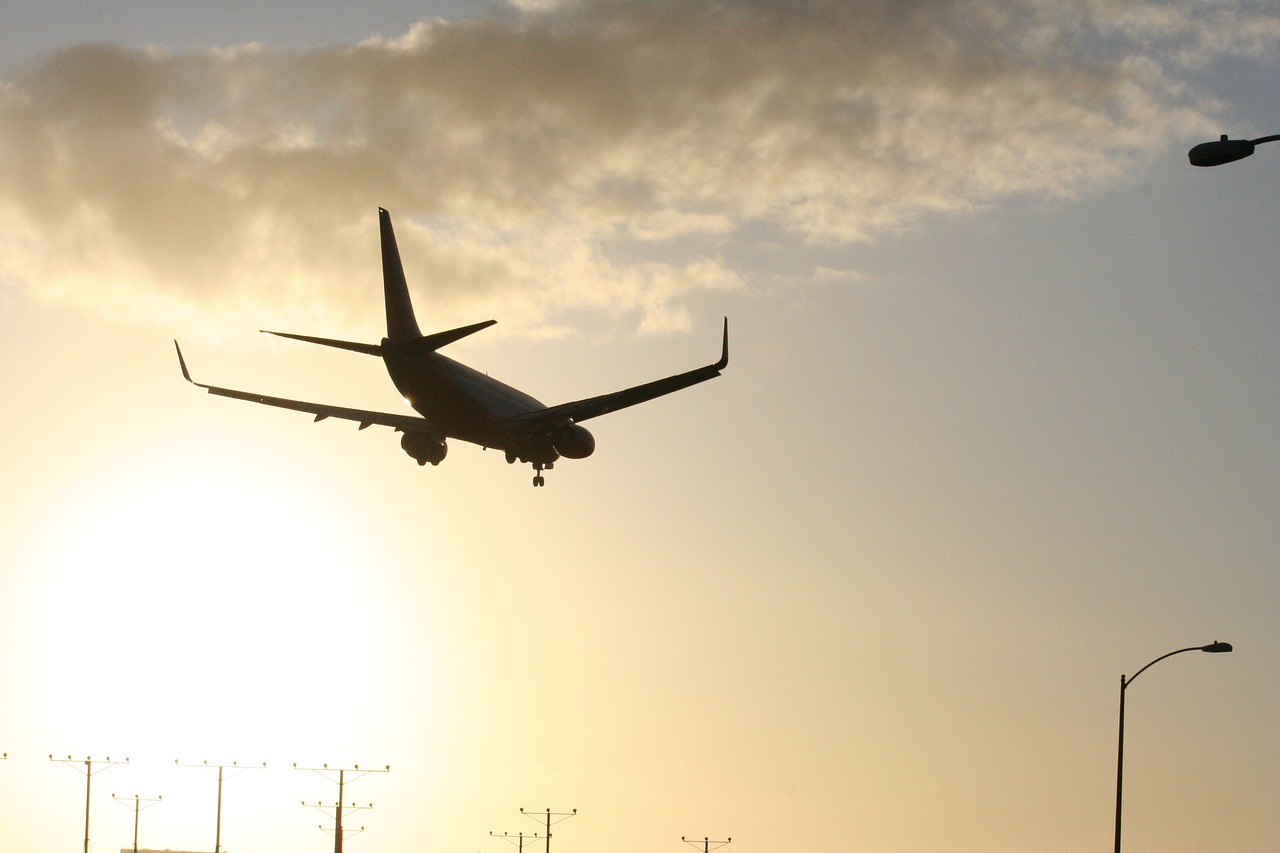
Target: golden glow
<point>204,610</point>
<point>206,605</point>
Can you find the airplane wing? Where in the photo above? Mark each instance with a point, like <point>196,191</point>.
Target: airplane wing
<point>402,423</point>
<point>581,410</point>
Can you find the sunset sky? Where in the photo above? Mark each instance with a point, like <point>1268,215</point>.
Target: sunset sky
<point>1000,423</point>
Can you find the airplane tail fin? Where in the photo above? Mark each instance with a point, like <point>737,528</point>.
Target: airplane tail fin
<point>401,324</point>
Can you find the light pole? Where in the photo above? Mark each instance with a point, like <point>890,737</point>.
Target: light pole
<point>560,817</point>
<point>520,837</point>
<point>88,771</point>
<point>236,769</point>
<point>1213,648</point>
<point>338,831</point>
<point>138,806</point>
<point>1225,150</point>
<point>706,843</point>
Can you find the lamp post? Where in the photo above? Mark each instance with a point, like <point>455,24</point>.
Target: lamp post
<point>1225,150</point>
<point>1212,648</point>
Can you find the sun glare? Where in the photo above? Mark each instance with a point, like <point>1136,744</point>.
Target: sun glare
<point>202,610</point>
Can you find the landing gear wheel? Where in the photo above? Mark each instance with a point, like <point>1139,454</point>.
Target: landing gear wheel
<point>538,480</point>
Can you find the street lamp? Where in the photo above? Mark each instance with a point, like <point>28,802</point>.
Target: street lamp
<point>1225,150</point>
<point>1212,648</point>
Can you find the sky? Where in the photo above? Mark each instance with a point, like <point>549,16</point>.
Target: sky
<point>998,425</point>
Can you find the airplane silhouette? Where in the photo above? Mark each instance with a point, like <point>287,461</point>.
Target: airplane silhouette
<point>455,401</point>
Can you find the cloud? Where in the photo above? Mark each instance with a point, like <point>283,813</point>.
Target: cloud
<point>530,157</point>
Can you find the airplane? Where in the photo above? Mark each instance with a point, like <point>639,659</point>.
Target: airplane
<point>455,401</point>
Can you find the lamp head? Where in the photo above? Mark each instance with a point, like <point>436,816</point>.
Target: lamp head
<point>1216,648</point>
<point>1223,151</point>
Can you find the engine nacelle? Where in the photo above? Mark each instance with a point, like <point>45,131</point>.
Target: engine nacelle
<point>424,447</point>
<point>573,442</point>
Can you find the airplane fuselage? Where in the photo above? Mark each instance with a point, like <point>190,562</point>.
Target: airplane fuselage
<point>460,401</point>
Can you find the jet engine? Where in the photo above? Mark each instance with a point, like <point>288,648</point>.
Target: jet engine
<point>573,442</point>
<point>424,447</point>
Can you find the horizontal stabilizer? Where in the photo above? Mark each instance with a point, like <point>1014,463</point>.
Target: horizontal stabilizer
<point>431,343</point>
<point>367,349</point>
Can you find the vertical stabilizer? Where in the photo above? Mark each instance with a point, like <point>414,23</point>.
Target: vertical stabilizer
<point>401,325</point>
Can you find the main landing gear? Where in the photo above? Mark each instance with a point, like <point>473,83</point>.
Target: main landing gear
<point>538,467</point>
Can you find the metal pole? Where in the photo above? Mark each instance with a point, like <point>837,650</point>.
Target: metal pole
<point>337,835</point>
<point>1120,762</point>
<point>217,837</point>
<point>88,779</point>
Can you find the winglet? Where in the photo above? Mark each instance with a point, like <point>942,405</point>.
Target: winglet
<point>182,363</point>
<point>724,351</point>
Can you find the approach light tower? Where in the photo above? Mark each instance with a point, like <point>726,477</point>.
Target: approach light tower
<point>560,817</point>
<point>518,839</point>
<point>88,771</point>
<point>706,843</point>
<point>236,770</point>
<point>338,807</point>
<point>139,803</point>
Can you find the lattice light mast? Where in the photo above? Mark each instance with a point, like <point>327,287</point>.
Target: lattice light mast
<point>236,771</point>
<point>88,771</point>
<point>326,771</point>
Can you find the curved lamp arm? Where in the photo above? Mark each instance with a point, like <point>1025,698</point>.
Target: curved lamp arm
<point>1212,648</point>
